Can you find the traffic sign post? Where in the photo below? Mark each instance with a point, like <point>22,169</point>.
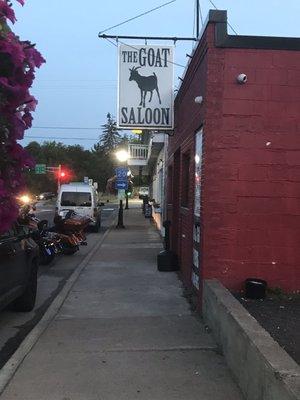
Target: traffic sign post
<point>121,194</point>
<point>120,224</point>
<point>121,185</point>
<point>40,168</point>
<point>58,178</point>
<point>43,169</point>
<point>122,173</point>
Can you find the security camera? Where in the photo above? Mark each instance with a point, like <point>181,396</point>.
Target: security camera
<point>242,78</point>
<point>198,99</point>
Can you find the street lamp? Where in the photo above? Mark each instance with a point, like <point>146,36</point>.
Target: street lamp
<point>122,156</point>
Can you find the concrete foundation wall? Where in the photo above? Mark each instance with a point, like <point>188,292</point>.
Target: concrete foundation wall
<point>263,370</point>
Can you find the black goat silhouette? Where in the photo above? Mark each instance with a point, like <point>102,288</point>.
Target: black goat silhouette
<point>145,83</point>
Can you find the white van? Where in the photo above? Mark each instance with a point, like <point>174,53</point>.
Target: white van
<point>81,198</point>
<point>143,192</point>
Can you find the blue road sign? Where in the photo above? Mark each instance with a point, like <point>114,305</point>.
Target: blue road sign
<point>121,173</point>
<point>121,185</point>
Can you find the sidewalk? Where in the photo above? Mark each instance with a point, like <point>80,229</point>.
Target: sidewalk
<point>124,332</point>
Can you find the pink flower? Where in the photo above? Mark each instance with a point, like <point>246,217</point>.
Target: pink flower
<point>18,61</point>
<point>31,103</point>
<point>34,57</point>
<point>7,12</point>
<point>27,118</point>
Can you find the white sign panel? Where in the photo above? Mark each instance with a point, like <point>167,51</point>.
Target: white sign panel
<point>146,79</point>
<point>121,194</point>
<point>198,170</point>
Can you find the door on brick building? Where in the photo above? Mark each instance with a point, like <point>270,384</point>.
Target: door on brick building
<point>176,205</point>
<point>197,211</point>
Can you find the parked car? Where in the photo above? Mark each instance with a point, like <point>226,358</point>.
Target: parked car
<point>45,196</point>
<point>81,198</point>
<point>18,269</point>
<point>143,192</point>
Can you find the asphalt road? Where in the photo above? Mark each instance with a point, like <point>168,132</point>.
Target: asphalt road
<point>15,326</point>
<point>45,210</point>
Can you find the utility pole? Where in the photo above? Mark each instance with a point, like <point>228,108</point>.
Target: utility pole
<point>120,224</point>
<point>58,172</point>
<point>58,177</point>
<point>121,183</point>
<point>197,18</point>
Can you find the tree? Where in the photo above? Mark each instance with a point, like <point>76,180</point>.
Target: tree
<point>102,166</point>
<point>110,136</point>
<point>95,163</point>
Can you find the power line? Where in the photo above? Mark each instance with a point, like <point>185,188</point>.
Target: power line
<point>137,16</point>
<point>111,42</point>
<point>200,12</point>
<point>60,138</point>
<point>65,127</point>
<point>194,22</point>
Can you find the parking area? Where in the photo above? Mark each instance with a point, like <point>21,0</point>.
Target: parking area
<point>51,278</point>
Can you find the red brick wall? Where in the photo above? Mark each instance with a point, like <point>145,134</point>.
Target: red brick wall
<point>251,168</point>
<point>252,193</point>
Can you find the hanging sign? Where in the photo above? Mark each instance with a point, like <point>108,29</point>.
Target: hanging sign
<point>146,79</point>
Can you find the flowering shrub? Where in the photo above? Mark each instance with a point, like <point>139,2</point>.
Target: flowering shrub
<point>18,60</point>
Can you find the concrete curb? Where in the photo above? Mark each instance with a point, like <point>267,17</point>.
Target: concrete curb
<point>11,366</point>
<point>262,369</point>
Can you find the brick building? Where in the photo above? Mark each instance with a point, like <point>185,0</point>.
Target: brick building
<point>233,168</point>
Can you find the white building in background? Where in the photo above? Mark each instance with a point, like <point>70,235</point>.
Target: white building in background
<point>148,159</point>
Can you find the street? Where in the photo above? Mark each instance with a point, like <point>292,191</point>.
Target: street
<point>45,210</point>
<point>14,327</point>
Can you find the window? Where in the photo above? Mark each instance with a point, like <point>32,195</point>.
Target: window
<point>76,199</point>
<point>170,185</point>
<point>185,180</point>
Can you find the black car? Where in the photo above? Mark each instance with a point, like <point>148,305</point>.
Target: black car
<point>18,269</point>
<point>46,196</point>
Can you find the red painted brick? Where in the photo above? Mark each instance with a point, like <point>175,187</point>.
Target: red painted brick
<point>278,173</point>
<point>254,173</point>
<point>271,76</point>
<point>247,92</point>
<point>294,174</point>
<point>294,77</point>
<point>281,125</point>
<point>293,157</point>
<point>286,59</point>
<point>248,58</point>
<point>247,123</point>
<point>251,165</point>
<point>285,93</point>
<point>255,205</point>
<point>239,107</point>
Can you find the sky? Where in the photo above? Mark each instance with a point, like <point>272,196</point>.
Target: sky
<point>77,86</point>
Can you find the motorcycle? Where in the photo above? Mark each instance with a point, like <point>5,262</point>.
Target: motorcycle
<point>70,228</point>
<point>47,246</point>
<point>64,237</point>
